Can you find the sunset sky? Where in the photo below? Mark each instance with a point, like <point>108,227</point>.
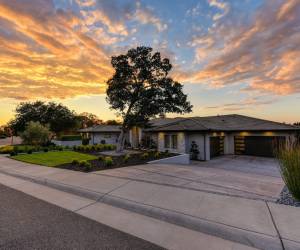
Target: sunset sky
<point>233,56</point>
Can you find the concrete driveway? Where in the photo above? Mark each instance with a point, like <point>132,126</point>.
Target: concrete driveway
<point>242,176</point>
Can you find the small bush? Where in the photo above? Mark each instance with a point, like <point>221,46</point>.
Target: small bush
<point>85,165</point>
<point>85,141</point>
<point>101,158</point>
<point>108,161</point>
<point>75,162</point>
<point>6,149</point>
<point>289,162</point>
<point>145,156</point>
<point>126,158</point>
<point>75,148</point>
<point>60,149</point>
<point>29,151</point>
<point>157,154</point>
<point>99,147</point>
<point>13,153</point>
<point>46,150</point>
<point>93,148</point>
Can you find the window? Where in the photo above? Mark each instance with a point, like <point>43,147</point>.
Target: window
<point>174,141</point>
<point>167,141</point>
<point>171,141</point>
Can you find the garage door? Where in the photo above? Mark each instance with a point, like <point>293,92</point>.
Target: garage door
<point>216,146</point>
<point>257,145</point>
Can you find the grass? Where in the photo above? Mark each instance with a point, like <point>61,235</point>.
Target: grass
<point>54,158</point>
<point>289,161</point>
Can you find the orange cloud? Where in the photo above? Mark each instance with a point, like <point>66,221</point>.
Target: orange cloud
<point>265,53</point>
<point>47,54</point>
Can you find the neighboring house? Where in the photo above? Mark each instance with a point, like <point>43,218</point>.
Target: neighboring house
<point>102,134</point>
<point>214,135</point>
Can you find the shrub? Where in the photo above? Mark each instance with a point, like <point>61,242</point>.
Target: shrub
<point>99,147</point>
<point>101,158</point>
<point>46,150</point>
<point>126,158</point>
<point>289,162</point>
<point>74,148</point>
<point>6,149</point>
<point>85,165</point>
<point>75,162</point>
<point>85,141</point>
<point>157,154</point>
<point>93,148</point>
<point>35,134</point>
<point>29,151</point>
<point>194,151</point>
<point>60,148</point>
<point>108,161</point>
<point>13,153</point>
<point>70,138</point>
<point>145,156</point>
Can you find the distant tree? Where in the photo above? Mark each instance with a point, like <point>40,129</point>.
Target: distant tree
<point>57,116</point>
<point>113,122</point>
<point>86,119</point>
<point>141,89</point>
<point>35,134</point>
<point>297,124</point>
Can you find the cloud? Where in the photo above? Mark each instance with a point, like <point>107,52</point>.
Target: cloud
<point>47,53</point>
<point>264,53</point>
<point>146,16</point>
<point>223,6</point>
<point>243,104</point>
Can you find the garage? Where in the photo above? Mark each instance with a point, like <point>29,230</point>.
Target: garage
<point>216,146</point>
<point>257,145</point>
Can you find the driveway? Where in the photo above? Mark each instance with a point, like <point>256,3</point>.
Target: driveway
<point>242,176</point>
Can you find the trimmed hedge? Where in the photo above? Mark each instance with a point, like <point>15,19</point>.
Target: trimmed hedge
<point>70,138</point>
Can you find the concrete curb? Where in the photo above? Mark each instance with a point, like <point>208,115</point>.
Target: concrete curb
<point>250,238</point>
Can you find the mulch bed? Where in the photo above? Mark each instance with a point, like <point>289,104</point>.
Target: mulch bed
<point>118,162</point>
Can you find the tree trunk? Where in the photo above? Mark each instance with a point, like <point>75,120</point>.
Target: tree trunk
<point>121,141</point>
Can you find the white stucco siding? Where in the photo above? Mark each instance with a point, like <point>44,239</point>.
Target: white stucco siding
<point>181,142</point>
<point>110,138</point>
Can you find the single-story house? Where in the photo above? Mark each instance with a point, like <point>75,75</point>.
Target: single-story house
<point>101,134</point>
<point>214,135</point>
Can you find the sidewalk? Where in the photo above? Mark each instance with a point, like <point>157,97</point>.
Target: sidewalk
<point>255,223</point>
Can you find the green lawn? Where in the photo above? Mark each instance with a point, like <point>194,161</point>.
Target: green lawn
<point>53,158</point>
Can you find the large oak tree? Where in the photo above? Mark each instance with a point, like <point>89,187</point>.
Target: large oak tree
<point>141,89</point>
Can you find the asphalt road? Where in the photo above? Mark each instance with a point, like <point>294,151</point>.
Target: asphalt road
<point>29,223</point>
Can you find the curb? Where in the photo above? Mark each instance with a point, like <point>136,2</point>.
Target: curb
<point>249,238</point>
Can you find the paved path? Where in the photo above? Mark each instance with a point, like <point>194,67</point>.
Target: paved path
<point>257,223</point>
<point>29,223</point>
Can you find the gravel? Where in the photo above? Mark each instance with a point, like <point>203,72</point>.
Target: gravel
<point>287,199</point>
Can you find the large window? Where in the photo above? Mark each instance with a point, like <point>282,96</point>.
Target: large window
<point>171,141</point>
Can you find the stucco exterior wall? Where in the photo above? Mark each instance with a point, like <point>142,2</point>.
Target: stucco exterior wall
<point>181,142</point>
<point>110,138</point>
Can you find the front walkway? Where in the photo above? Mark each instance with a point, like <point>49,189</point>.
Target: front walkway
<point>255,223</point>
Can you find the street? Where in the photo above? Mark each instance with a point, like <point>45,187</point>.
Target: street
<point>29,223</point>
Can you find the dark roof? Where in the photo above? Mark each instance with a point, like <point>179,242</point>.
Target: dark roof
<point>221,123</point>
<point>101,128</point>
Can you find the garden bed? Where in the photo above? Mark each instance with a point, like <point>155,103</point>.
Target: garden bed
<point>117,161</point>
